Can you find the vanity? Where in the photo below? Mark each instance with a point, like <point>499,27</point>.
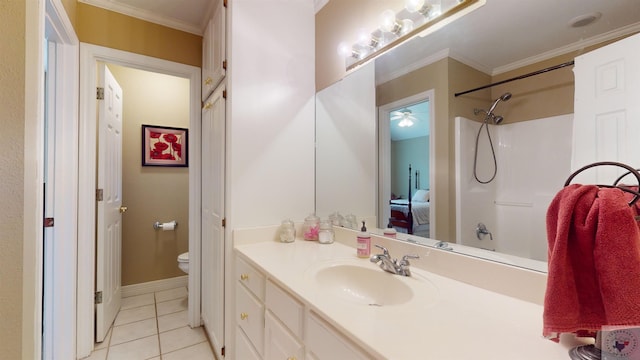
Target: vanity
<point>306,300</point>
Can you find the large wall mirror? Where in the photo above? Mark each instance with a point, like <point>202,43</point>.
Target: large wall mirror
<point>529,122</point>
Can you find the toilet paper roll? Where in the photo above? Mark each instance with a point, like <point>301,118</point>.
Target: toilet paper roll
<point>168,226</point>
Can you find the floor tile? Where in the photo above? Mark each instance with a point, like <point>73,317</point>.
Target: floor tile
<point>140,349</point>
<point>100,354</point>
<point>172,306</point>
<point>135,314</point>
<point>135,301</point>
<point>133,331</point>
<point>201,351</point>
<point>180,338</point>
<point>171,294</point>
<point>173,321</point>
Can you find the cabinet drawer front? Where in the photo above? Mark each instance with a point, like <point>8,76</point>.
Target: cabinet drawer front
<point>279,342</point>
<point>250,316</point>
<point>325,343</point>
<point>289,310</point>
<point>250,277</point>
<point>244,348</point>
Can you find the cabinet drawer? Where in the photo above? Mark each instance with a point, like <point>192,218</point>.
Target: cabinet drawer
<point>250,316</point>
<point>279,342</point>
<point>244,348</point>
<point>250,277</point>
<point>289,310</point>
<point>325,343</point>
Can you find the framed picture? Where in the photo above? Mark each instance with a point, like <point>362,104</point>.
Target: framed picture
<point>164,146</point>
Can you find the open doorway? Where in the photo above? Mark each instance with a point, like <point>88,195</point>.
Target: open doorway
<point>406,163</point>
<point>125,62</point>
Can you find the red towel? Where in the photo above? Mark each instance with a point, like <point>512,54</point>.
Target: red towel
<point>594,261</point>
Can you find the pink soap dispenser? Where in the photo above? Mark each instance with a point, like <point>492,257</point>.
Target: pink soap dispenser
<point>364,242</point>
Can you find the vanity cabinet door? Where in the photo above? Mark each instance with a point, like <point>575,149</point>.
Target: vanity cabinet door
<point>323,342</point>
<point>250,316</point>
<point>280,344</point>
<point>244,348</point>
<point>285,307</point>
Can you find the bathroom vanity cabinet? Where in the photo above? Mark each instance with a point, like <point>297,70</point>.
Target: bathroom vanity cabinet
<point>292,302</point>
<point>273,323</point>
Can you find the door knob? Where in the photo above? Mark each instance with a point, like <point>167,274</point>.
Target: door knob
<point>123,209</point>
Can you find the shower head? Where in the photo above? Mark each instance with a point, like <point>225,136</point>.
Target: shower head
<point>504,97</point>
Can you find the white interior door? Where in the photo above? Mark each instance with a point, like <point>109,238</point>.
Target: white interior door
<point>212,258</point>
<point>109,218</point>
<point>606,126</point>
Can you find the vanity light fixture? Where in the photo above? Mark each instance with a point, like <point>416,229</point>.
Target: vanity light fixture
<point>397,27</point>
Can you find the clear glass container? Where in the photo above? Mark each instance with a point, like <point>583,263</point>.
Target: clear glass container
<point>311,227</point>
<point>287,231</point>
<point>326,234</point>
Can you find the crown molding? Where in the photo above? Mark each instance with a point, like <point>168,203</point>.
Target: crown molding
<point>579,45</point>
<point>113,5</point>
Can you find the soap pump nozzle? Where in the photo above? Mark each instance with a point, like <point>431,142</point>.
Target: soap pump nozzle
<point>364,228</point>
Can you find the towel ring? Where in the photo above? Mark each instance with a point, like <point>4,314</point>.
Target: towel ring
<point>615,184</point>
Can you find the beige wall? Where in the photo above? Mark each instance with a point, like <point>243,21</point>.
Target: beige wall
<point>113,30</point>
<point>12,123</point>
<point>152,193</point>
<point>339,21</point>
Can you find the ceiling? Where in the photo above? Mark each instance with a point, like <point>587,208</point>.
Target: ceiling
<point>504,35</point>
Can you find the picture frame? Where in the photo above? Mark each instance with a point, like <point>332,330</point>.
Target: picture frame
<point>165,146</point>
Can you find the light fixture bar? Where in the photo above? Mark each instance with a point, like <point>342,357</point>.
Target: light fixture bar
<point>463,5</point>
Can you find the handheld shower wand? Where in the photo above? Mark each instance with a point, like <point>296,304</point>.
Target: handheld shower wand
<point>497,119</point>
<point>505,97</point>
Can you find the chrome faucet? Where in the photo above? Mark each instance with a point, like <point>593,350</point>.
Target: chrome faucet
<point>481,231</point>
<point>393,266</point>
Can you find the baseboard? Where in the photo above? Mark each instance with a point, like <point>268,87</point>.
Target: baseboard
<point>153,286</point>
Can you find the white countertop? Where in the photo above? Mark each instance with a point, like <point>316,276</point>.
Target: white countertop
<point>460,322</point>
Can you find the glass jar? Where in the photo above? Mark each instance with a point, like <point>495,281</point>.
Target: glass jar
<point>287,231</point>
<point>326,234</point>
<point>311,227</point>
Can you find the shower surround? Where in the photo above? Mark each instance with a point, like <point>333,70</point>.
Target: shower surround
<point>534,160</point>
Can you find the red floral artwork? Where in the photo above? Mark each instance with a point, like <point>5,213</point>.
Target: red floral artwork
<point>163,146</point>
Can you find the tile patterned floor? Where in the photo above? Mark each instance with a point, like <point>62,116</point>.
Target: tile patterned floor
<point>154,326</point>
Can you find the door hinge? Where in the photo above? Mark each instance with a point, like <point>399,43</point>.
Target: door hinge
<point>99,194</point>
<point>100,93</point>
<point>98,297</point>
<point>224,64</point>
<point>224,94</point>
<point>48,222</point>
<point>224,222</point>
<point>222,351</point>
<point>225,5</point>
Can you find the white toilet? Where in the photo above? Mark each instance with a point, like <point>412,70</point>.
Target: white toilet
<point>183,262</point>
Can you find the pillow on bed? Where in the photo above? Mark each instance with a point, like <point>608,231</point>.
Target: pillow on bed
<point>421,196</point>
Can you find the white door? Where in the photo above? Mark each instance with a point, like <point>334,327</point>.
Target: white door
<point>212,256</point>
<point>607,110</point>
<point>109,231</point>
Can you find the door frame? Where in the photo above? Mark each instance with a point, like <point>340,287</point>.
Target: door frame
<point>384,156</point>
<point>89,56</point>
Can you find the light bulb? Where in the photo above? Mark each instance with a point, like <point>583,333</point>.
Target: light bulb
<point>364,38</point>
<point>414,5</point>
<point>344,49</point>
<point>407,26</point>
<point>388,21</point>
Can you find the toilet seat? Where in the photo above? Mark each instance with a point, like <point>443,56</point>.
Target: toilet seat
<point>183,262</point>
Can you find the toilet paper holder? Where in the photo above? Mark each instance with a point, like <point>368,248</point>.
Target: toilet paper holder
<point>159,226</point>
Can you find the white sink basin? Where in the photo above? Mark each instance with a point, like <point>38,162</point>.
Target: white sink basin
<point>359,283</point>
